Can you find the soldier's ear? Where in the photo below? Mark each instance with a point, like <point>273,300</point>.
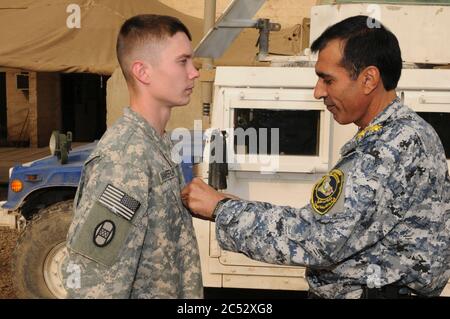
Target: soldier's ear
<point>370,78</point>
<point>141,72</point>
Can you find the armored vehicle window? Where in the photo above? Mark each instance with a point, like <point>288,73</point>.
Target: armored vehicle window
<point>298,131</point>
<point>440,121</point>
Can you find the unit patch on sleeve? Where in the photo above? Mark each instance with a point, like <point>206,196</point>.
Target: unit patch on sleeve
<point>327,191</point>
<point>119,202</point>
<point>104,233</point>
<point>102,236</point>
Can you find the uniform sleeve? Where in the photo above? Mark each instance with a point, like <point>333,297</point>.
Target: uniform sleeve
<point>381,186</point>
<point>110,219</point>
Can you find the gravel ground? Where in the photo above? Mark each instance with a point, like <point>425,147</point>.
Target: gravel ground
<point>8,238</point>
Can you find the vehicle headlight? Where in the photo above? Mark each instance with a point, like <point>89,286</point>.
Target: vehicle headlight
<point>16,185</point>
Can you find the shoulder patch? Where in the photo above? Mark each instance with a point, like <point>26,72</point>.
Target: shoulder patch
<point>102,236</point>
<point>104,233</point>
<point>119,202</point>
<point>327,191</point>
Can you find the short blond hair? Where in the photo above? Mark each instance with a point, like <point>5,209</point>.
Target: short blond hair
<point>142,30</point>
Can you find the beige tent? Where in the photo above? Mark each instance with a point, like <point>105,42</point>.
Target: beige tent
<point>35,36</point>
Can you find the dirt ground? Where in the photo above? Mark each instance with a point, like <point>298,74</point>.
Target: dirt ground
<point>8,238</point>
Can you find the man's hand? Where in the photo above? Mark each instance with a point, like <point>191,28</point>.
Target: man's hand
<point>201,198</point>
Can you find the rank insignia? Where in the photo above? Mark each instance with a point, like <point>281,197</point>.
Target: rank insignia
<point>166,175</point>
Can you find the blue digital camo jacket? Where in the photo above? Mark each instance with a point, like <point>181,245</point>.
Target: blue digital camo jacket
<point>380,216</point>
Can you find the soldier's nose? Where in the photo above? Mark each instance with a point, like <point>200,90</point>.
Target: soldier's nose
<point>319,90</point>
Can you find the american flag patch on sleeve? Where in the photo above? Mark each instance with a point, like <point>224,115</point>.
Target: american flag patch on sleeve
<point>119,202</point>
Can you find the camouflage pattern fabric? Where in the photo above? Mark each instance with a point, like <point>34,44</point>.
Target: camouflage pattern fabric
<point>131,237</point>
<point>381,216</point>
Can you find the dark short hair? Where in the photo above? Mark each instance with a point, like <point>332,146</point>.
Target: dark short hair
<point>366,42</point>
<point>145,28</point>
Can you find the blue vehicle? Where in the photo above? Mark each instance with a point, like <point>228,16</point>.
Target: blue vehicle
<point>40,195</point>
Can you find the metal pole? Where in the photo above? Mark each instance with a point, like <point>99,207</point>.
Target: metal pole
<point>208,63</point>
<point>209,20</point>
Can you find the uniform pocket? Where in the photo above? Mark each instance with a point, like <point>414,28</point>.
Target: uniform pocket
<point>102,235</point>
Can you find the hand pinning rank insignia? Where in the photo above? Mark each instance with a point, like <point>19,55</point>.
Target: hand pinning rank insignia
<point>119,202</point>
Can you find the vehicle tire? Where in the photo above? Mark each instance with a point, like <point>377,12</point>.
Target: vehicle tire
<point>40,251</point>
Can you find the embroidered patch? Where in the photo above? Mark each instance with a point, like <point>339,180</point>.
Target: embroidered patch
<point>119,202</point>
<point>104,233</point>
<point>327,191</point>
<point>166,175</point>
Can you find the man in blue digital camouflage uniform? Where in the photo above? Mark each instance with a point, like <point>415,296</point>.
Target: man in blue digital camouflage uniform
<point>377,225</point>
<point>131,236</point>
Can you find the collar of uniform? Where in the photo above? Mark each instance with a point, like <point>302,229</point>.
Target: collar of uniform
<point>374,127</point>
<point>387,113</point>
<point>162,141</point>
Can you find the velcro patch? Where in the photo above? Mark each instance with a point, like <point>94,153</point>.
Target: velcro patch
<point>167,174</point>
<point>101,236</point>
<point>327,191</point>
<point>119,202</point>
<point>104,233</point>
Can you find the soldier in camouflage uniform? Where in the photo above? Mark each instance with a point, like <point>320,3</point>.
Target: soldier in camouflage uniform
<point>131,237</point>
<point>377,224</point>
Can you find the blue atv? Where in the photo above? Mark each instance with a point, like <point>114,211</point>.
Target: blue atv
<point>41,195</point>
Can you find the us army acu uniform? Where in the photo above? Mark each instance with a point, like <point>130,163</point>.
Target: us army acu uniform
<point>379,217</point>
<point>131,237</point>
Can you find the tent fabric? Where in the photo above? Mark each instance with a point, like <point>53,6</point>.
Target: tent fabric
<point>34,35</point>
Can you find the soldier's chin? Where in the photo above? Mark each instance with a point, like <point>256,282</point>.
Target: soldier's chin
<point>184,102</point>
<point>339,119</point>
<point>342,121</point>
